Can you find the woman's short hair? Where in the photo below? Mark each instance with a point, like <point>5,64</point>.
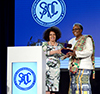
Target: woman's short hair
<point>54,29</point>
<point>80,25</point>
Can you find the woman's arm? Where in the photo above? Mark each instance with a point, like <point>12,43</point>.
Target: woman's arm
<point>87,51</point>
<point>44,47</point>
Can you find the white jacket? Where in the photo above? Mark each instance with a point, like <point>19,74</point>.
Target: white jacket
<point>86,62</point>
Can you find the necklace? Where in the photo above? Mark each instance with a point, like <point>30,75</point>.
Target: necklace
<point>52,45</point>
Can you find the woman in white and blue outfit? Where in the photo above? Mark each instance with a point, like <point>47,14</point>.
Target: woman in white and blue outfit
<point>80,81</point>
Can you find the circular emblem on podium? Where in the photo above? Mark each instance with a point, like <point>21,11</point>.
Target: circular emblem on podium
<point>48,12</point>
<point>24,78</point>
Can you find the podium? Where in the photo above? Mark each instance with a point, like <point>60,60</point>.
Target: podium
<point>26,70</point>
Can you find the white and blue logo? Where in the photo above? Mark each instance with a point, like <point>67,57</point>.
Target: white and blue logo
<point>24,78</point>
<point>48,12</point>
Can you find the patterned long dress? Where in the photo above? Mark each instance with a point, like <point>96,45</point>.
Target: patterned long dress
<point>52,66</point>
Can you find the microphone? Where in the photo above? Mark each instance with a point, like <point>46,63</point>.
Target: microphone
<point>67,45</point>
<point>29,42</point>
<point>31,38</point>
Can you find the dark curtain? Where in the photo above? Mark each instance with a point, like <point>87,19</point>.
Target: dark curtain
<point>6,38</point>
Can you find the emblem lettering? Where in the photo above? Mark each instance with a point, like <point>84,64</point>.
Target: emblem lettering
<point>24,78</point>
<point>46,9</point>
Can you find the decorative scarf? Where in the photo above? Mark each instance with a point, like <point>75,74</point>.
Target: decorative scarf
<point>75,62</point>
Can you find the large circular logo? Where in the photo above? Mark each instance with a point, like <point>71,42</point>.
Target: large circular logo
<point>24,78</point>
<point>48,12</point>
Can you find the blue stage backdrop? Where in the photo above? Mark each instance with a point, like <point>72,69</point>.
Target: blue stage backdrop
<point>33,17</point>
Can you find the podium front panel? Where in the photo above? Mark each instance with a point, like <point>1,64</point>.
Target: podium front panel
<point>24,77</point>
<point>26,70</point>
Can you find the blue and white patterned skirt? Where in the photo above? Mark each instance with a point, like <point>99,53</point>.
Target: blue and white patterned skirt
<point>80,82</point>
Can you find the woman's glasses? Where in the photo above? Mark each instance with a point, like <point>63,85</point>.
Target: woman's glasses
<point>76,29</point>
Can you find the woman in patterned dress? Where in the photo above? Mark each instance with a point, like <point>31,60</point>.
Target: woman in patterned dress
<point>52,50</point>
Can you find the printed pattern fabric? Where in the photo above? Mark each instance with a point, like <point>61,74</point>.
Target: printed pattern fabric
<point>80,82</point>
<point>52,67</point>
<point>79,47</point>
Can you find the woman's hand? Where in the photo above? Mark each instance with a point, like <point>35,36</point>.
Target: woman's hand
<point>66,56</point>
<point>72,53</point>
<point>58,51</point>
<point>55,52</point>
